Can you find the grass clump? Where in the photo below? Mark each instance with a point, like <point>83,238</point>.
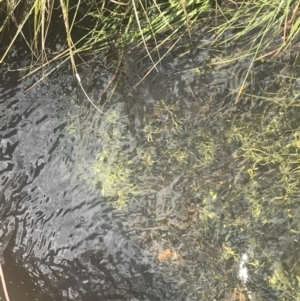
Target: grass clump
<point>93,26</point>
<point>109,26</point>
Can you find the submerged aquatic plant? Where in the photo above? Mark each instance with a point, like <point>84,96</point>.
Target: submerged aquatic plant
<point>110,169</point>
<point>112,166</point>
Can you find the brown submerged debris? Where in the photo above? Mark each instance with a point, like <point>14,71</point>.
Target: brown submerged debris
<point>237,295</point>
<point>168,255</point>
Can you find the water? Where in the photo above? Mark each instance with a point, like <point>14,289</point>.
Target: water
<point>19,285</point>
<point>64,233</point>
<point>160,197</point>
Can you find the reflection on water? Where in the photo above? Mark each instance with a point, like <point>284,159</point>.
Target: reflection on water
<point>161,197</point>
<point>243,270</point>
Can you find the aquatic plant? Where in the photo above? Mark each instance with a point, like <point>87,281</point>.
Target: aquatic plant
<point>154,25</point>
<point>109,170</point>
<point>102,26</point>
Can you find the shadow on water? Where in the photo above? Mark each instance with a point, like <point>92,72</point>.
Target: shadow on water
<point>181,191</point>
<point>19,284</point>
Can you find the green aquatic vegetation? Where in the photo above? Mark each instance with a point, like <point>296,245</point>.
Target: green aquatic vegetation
<point>112,174</point>
<point>150,130</point>
<point>112,170</point>
<point>168,114</point>
<point>125,167</point>
<point>179,156</point>
<point>228,253</point>
<point>207,212</point>
<point>238,163</point>
<point>280,281</point>
<point>206,149</point>
<point>265,148</point>
<point>262,141</point>
<point>148,156</point>
<point>71,128</point>
<point>162,131</point>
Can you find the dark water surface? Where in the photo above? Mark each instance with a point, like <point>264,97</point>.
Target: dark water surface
<point>182,190</point>
<point>19,285</point>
